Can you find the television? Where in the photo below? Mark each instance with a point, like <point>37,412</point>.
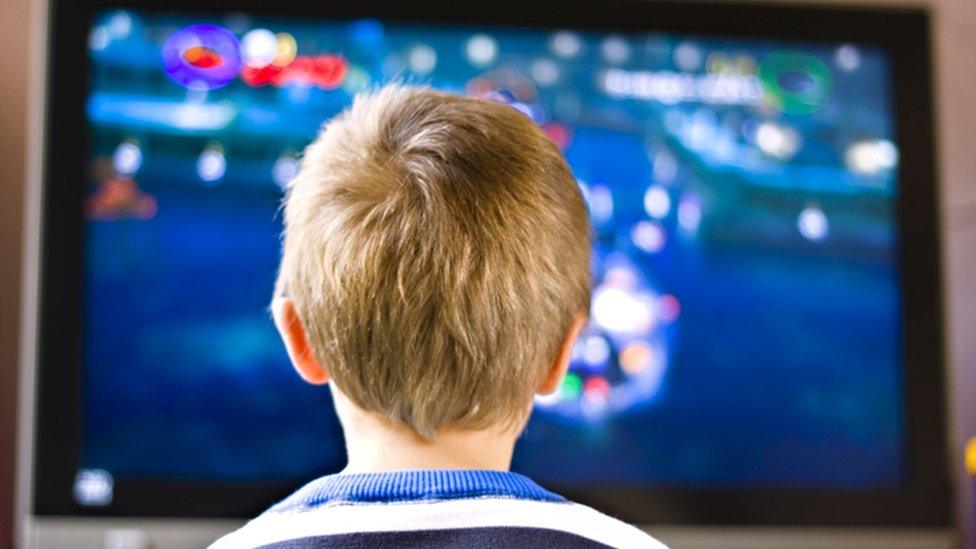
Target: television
<point>764,346</point>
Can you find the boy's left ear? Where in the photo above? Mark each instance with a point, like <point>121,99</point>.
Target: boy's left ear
<point>293,334</point>
<point>560,363</point>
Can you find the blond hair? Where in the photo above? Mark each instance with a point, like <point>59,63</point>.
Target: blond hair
<point>436,248</point>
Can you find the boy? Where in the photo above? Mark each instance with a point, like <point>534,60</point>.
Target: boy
<point>435,274</point>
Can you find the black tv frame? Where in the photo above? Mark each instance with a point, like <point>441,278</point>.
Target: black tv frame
<point>923,501</point>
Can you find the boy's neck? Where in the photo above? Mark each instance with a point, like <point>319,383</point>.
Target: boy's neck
<point>375,445</point>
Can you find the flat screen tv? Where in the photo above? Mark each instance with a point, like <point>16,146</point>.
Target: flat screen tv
<point>765,339</point>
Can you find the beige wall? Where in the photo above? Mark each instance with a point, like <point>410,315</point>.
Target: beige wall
<point>13,93</point>
<point>956,72</point>
<point>956,48</point>
<point>955,67</point>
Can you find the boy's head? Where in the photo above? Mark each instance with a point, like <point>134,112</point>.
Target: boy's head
<point>436,251</point>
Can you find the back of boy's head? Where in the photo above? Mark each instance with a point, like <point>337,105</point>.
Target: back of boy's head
<point>436,248</point>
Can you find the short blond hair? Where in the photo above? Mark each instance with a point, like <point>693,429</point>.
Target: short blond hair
<point>436,248</point>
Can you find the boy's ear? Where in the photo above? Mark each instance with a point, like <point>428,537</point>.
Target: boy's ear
<point>560,363</point>
<point>293,334</point>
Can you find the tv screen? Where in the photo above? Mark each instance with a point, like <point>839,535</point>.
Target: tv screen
<point>747,322</point>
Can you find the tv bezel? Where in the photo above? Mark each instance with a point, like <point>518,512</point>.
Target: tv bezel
<point>923,501</point>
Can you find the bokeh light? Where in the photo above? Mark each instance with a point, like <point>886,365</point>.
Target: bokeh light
<point>649,236</point>
<point>259,48</point>
<point>566,44</point>
<point>422,59</point>
<point>636,357</point>
<point>848,57</point>
<point>202,57</point>
<point>545,72</point>
<point>668,308</point>
<point>119,25</point>
<point>688,57</point>
<point>620,312</point>
<point>615,50</point>
<point>284,170</point>
<point>127,157</point>
<point>813,224</point>
<point>689,214</point>
<point>211,165</point>
<point>870,157</point>
<point>657,202</point>
<point>665,167</point>
<point>571,386</point>
<point>99,38</point>
<point>593,351</point>
<point>286,48</point>
<point>778,141</point>
<point>481,50</point>
<point>601,204</point>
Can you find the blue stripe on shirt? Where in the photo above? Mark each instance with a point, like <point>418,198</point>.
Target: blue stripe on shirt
<point>401,486</point>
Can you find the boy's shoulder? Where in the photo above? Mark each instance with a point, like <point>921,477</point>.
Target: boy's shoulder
<point>432,508</point>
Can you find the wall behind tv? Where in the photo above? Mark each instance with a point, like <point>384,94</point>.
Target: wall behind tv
<point>955,44</point>
<point>13,108</point>
<point>956,59</point>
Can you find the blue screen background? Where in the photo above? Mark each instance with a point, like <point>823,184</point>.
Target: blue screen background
<point>746,318</point>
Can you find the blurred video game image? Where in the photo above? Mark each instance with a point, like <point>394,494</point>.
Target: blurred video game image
<point>745,322</point>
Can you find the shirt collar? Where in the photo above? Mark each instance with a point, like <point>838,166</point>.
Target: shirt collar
<point>412,486</point>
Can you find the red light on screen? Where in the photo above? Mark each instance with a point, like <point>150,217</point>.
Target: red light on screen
<point>668,308</point>
<point>596,385</point>
<point>560,134</point>
<point>202,57</point>
<point>324,71</point>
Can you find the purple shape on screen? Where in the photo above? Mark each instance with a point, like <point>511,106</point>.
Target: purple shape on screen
<point>202,57</point>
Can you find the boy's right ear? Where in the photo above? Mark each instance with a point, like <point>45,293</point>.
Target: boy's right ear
<point>295,337</point>
<point>560,363</point>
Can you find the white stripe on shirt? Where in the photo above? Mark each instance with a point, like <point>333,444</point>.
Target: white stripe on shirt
<point>437,515</point>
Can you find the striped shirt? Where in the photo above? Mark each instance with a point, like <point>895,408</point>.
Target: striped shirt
<point>443,508</point>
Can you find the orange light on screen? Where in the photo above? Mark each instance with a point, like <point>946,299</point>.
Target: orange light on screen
<point>202,57</point>
<point>636,357</point>
<point>285,49</point>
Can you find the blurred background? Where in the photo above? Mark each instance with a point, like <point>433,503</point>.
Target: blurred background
<point>955,47</point>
